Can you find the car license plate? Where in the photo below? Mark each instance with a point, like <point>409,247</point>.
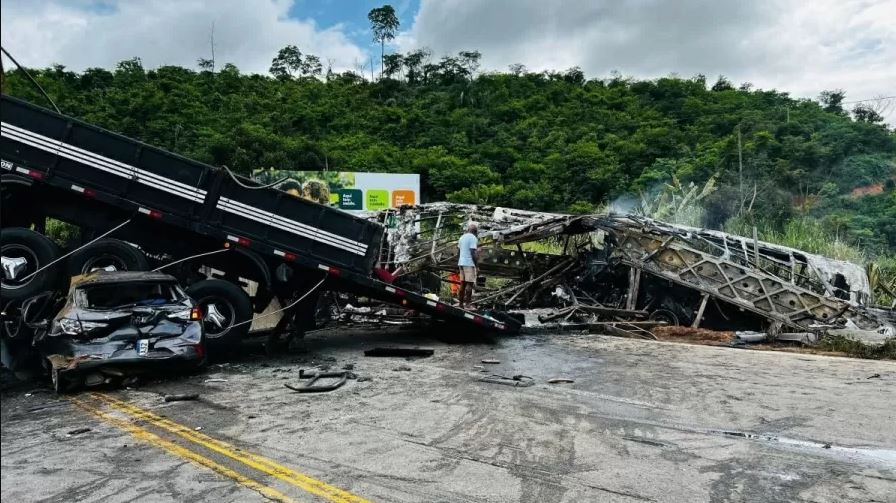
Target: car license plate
<point>143,347</point>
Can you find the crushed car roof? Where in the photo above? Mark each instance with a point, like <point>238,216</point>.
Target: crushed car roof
<point>107,277</point>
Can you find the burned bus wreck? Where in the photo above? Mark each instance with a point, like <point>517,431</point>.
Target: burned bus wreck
<point>627,268</point>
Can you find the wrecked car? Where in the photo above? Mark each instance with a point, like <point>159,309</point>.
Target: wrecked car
<point>114,325</point>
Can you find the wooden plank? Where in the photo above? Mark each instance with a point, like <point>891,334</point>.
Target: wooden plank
<point>699,316</point>
<point>634,282</point>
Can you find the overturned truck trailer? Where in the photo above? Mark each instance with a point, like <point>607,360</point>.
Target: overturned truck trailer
<point>616,267</point>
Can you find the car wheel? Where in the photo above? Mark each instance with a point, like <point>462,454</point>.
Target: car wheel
<point>664,315</point>
<point>107,255</point>
<point>24,252</point>
<point>223,305</point>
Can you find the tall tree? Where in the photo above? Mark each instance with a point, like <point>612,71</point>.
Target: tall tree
<point>287,62</point>
<point>311,66</point>
<point>392,65</point>
<point>833,101</point>
<point>413,64</point>
<point>865,113</point>
<point>384,24</point>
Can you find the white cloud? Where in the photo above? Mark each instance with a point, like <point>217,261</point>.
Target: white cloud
<point>165,32</point>
<point>802,47</point>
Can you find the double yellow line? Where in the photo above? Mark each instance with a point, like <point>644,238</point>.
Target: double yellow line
<point>262,464</point>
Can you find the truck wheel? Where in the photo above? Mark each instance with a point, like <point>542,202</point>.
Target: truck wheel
<point>107,255</point>
<point>223,304</point>
<point>24,252</point>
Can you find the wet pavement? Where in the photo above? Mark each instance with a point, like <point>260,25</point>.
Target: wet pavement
<point>642,421</point>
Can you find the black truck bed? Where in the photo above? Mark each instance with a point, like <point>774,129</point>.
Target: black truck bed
<point>69,154</point>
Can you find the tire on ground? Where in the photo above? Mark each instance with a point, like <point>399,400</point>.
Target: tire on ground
<point>223,304</point>
<point>37,251</point>
<point>107,252</point>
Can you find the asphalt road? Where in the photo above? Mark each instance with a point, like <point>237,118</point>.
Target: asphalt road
<point>643,421</point>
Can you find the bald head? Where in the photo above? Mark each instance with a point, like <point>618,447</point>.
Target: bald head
<point>473,228</point>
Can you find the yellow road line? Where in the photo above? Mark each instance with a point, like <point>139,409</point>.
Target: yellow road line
<point>177,450</point>
<point>260,463</point>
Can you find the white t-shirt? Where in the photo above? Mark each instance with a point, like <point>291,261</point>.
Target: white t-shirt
<point>467,243</point>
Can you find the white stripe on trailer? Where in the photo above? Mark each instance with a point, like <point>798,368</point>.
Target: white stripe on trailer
<point>469,316</point>
<point>23,170</point>
<point>233,238</point>
<point>390,289</point>
<point>298,225</point>
<point>266,218</point>
<point>500,326</point>
<point>430,303</point>
<point>323,267</point>
<point>143,177</point>
<point>102,163</point>
<point>132,171</point>
<point>279,253</point>
<point>243,209</point>
<point>145,211</point>
<point>78,188</point>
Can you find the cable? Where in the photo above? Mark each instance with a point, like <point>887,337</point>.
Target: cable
<point>41,89</point>
<point>189,258</point>
<point>300,299</point>
<point>119,226</point>
<point>869,99</point>
<point>243,185</point>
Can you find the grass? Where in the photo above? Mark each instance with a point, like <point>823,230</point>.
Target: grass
<point>803,234</point>
<point>854,348</point>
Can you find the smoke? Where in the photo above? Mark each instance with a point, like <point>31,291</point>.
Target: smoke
<point>625,204</point>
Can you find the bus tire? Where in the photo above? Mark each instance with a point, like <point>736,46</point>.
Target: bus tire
<point>223,305</point>
<point>36,250</point>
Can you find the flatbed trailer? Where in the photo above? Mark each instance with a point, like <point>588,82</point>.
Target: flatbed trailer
<point>63,168</point>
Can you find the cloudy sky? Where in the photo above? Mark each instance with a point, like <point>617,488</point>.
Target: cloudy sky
<point>802,47</point>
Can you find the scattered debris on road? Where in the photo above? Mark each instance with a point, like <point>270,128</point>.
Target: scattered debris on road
<point>400,352</point>
<point>519,381</point>
<point>560,380</point>
<point>312,386</point>
<point>182,398</point>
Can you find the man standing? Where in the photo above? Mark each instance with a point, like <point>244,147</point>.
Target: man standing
<point>467,261</point>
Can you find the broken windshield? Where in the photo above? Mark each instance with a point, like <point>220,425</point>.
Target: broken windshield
<point>120,295</point>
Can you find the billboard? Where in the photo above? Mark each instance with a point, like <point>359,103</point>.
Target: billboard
<point>347,190</point>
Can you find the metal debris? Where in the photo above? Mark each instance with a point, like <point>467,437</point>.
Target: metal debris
<point>402,352</point>
<point>519,381</point>
<point>598,271</point>
<point>313,387</point>
<point>182,398</point>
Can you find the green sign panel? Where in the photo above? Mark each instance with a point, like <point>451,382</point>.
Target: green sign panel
<point>377,199</point>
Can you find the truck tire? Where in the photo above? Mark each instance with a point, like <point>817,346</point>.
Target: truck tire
<point>107,254</point>
<point>25,251</point>
<point>223,304</point>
